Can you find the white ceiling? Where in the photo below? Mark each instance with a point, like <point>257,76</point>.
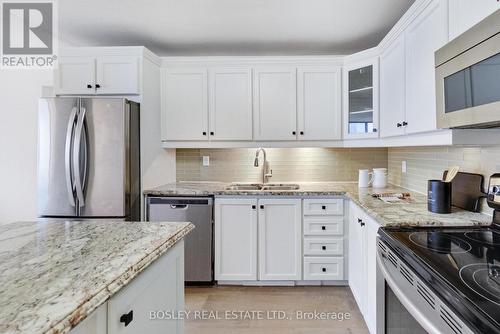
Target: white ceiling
<point>230,27</point>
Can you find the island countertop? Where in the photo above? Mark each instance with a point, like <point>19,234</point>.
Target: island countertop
<point>412,213</point>
<point>53,274</point>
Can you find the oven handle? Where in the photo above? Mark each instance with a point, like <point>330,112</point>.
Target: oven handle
<point>417,313</point>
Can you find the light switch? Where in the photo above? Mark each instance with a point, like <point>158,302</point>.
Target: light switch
<point>403,166</point>
<point>206,160</point>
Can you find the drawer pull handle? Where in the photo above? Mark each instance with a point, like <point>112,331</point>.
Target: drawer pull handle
<point>323,207</point>
<point>323,228</point>
<point>89,86</point>
<point>323,247</point>
<point>127,318</point>
<point>323,270</point>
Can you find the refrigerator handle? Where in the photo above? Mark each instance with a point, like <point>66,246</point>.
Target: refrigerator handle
<point>76,157</point>
<point>70,187</point>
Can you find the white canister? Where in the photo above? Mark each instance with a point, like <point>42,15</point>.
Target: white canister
<point>379,177</point>
<point>365,178</point>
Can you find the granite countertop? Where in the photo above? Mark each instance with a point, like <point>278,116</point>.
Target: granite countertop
<point>413,213</point>
<point>53,274</point>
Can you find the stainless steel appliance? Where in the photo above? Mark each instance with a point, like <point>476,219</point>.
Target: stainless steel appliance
<point>442,280</point>
<point>88,158</point>
<point>198,258</point>
<point>468,78</point>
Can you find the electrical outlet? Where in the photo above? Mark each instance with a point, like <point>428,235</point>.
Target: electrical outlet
<point>403,166</point>
<point>206,161</point>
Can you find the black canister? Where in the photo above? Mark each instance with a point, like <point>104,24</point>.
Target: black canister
<point>439,196</point>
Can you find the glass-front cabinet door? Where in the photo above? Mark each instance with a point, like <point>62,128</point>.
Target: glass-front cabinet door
<point>361,100</point>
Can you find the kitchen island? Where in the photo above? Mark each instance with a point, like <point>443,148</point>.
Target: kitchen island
<point>56,274</point>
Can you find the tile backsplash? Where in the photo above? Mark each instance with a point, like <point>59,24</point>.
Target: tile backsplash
<point>287,164</point>
<point>424,163</point>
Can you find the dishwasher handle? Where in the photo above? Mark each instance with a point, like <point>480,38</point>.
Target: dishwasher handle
<point>179,202</point>
<point>179,206</point>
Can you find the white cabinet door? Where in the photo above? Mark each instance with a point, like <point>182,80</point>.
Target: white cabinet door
<point>319,106</point>
<point>356,256</point>
<point>372,280</point>
<point>427,33</point>
<point>95,323</point>
<point>230,104</point>
<point>184,104</point>
<point>75,76</point>
<point>361,99</point>
<point>117,75</point>
<point>392,89</point>
<point>159,287</point>
<point>280,239</point>
<point>235,239</point>
<point>275,105</point>
<point>466,13</point>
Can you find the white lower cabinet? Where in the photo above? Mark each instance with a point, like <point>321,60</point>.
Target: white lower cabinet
<point>276,249</point>
<point>159,288</point>
<point>235,239</point>
<point>280,239</point>
<point>363,277</point>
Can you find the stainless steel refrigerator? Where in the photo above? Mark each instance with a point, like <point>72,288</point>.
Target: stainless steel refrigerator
<point>88,158</point>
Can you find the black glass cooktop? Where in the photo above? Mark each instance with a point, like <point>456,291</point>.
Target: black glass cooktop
<point>461,265</point>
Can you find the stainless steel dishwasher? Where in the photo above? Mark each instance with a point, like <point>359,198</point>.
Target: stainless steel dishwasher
<point>198,250</point>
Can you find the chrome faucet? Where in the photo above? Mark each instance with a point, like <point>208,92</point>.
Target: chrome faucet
<point>266,172</point>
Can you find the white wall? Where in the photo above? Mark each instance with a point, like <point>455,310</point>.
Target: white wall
<point>19,93</point>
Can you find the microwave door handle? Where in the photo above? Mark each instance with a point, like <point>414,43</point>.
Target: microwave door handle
<point>76,157</point>
<point>70,187</point>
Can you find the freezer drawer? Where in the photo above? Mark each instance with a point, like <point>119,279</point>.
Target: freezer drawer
<point>199,243</point>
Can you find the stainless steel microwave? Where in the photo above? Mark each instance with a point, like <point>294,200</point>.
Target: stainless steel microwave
<point>468,78</point>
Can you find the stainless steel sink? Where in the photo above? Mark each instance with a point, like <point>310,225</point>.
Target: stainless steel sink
<point>244,187</point>
<point>261,187</point>
<point>280,187</point>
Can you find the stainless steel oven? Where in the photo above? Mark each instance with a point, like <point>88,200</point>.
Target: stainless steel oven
<point>468,78</point>
<point>409,305</point>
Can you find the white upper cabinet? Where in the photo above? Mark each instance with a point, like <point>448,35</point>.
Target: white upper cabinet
<point>275,105</point>
<point>230,104</point>
<point>392,89</point>
<point>98,75</point>
<point>235,239</point>
<point>280,239</point>
<point>184,104</point>
<point>319,103</point>
<point>361,99</point>
<point>117,75</point>
<point>466,13</point>
<point>427,33</point>
<point>75,76</point>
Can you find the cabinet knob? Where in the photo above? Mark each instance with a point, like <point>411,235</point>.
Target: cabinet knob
<point>212,133</point>
<point>262,207</point>
<point>204,133</point>
<point>323,207</point>
<point>323,228</point>
<point>362,224</point>
<point>301,133</point>
<point>405,123</point>
<point>323,247</point>
<point>375,130</point>
<point>89,86</point>
<point>294,133</point>
<point>254,207</point>
<point>323,270</point>
<point>399,125</point>
<point>97,86</point>
<point>127,318</point>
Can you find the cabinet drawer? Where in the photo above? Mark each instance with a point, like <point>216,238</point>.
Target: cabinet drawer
<point>324,206</point>
<point>323,268</point>
<point>323,246</point>
<point>327,225</point>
